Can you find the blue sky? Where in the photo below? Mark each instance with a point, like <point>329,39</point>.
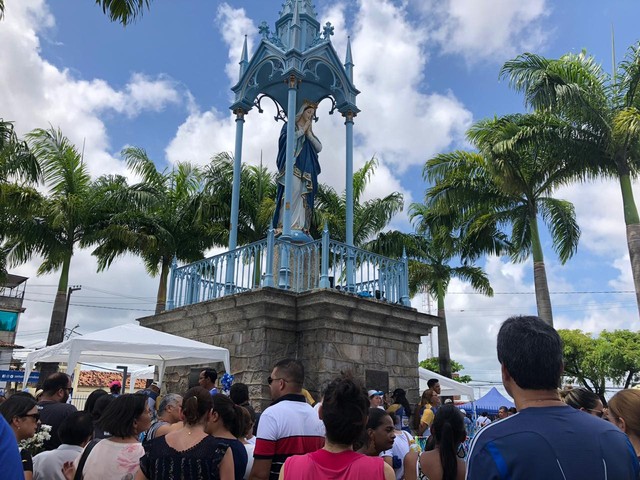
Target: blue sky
<point>426,69</point>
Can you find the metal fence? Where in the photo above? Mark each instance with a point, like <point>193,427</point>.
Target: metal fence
<point>274,262</point>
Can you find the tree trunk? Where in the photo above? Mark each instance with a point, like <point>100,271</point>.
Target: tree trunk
<point>58,319</point>
<point>161,298</point>
<point>543,299</point>
<point>444,355</point>
<point>632,221</point>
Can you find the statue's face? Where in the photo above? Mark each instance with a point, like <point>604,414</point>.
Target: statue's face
<point>308,113</point>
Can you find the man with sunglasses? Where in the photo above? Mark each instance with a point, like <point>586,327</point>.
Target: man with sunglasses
<point>53,406</point>
<point>290,426</point>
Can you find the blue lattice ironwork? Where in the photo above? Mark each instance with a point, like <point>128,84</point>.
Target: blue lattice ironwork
<point>319,264</point>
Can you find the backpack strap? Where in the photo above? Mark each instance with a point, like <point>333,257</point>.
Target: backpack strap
<point>83,458</point>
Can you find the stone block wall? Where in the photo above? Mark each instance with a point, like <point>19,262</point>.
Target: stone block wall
<point>328,330</point>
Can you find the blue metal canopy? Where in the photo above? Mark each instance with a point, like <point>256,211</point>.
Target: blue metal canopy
<point>297,50</point>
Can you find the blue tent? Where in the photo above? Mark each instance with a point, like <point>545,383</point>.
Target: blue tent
<point>489,403</point>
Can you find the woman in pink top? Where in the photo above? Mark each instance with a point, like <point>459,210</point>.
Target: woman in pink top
<point>344,414</point>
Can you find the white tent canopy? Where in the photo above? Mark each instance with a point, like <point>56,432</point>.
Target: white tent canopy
<point>448,387</point>
<point>130,344</point>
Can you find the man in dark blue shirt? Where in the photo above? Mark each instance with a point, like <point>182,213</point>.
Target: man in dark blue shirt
<point>546,439</point>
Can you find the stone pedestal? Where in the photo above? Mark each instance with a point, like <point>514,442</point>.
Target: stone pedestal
<point>328,330</point>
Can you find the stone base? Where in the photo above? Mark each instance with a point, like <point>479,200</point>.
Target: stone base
<point>328,330</point>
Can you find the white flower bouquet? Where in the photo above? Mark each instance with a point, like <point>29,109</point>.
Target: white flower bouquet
<point>35,443</point>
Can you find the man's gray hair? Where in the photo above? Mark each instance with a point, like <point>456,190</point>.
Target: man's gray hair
<point>169,399</point>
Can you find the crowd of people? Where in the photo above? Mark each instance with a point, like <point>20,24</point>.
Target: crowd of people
<point>351,433</point>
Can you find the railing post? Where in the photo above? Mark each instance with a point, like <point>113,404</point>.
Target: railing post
<point>229,283</point>
<point>351,287</point>
<point>404,281</point>
<point>285,271</point>
<point>324,265</point>
<point>171,294</point>
<point>268,276</point>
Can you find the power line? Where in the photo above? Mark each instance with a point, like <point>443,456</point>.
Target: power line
<point>94,306</point>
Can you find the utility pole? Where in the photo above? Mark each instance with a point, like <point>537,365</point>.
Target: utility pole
<point>56,333</point>
<point>72,289</point>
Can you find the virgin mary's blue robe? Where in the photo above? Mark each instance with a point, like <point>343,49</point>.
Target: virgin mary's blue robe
<point>306,167</point>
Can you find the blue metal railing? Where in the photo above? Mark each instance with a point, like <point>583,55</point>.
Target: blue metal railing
<point>274,262</point>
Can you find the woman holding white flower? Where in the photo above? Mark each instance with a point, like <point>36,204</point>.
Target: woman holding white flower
<point>21,413</point>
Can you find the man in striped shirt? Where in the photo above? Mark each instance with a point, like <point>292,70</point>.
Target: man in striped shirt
<point>290,426</point>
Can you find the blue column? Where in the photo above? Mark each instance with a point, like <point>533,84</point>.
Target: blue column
<point>268,276</point>
<point>324,264</point>
<point>349,180</point>
<point>235,199</point>
<point>404,285</point>
<point>291,142</point>
<point>349,194</point>
<point>285,271</point>
<point>235,194</point>
<point>171,295</point>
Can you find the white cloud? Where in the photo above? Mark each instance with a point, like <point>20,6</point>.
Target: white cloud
<point>37,94</point>
<point>485,29</point>
<point>234,25</point>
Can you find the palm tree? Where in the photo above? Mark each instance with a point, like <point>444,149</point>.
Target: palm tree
<point>257,198</point>
<point>430,256</point>
<point>509,184</point>
<point>123,11</point>
<point>604,113</point>
<point>19,172</point>
<point>167,213</point>
<point>369,217</point>
<point>59,221</point>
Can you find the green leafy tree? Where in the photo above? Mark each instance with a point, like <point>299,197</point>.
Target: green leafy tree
<point>612,356</point>
<point>167,213</point>
<point>604,113</point>
<point>508,184</point>
<point>257,198</point>
<point>431,256</point>
<point>370,217</point>
<point>19,173</point>
<point>124,11</point>
<point>60,221</point>
<point>433,364</point>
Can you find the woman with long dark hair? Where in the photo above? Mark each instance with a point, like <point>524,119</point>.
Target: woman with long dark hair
<point>441,463</point>
<point>344,413</point>
<point>226,425</point>
<point>402,410</point>
<point>188,453</point>
<point>21,413</point>
<point>117,456</point>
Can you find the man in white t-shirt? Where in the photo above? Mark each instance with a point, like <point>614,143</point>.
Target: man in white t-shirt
<point>482,420</point>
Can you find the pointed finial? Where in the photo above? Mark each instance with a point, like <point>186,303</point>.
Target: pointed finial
<point>296,30</point>
<point>296,14</point>
<point>348,62</point>
<point>244,58</point>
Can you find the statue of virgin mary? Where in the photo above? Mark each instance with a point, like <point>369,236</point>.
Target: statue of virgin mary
<point>305,171</point>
